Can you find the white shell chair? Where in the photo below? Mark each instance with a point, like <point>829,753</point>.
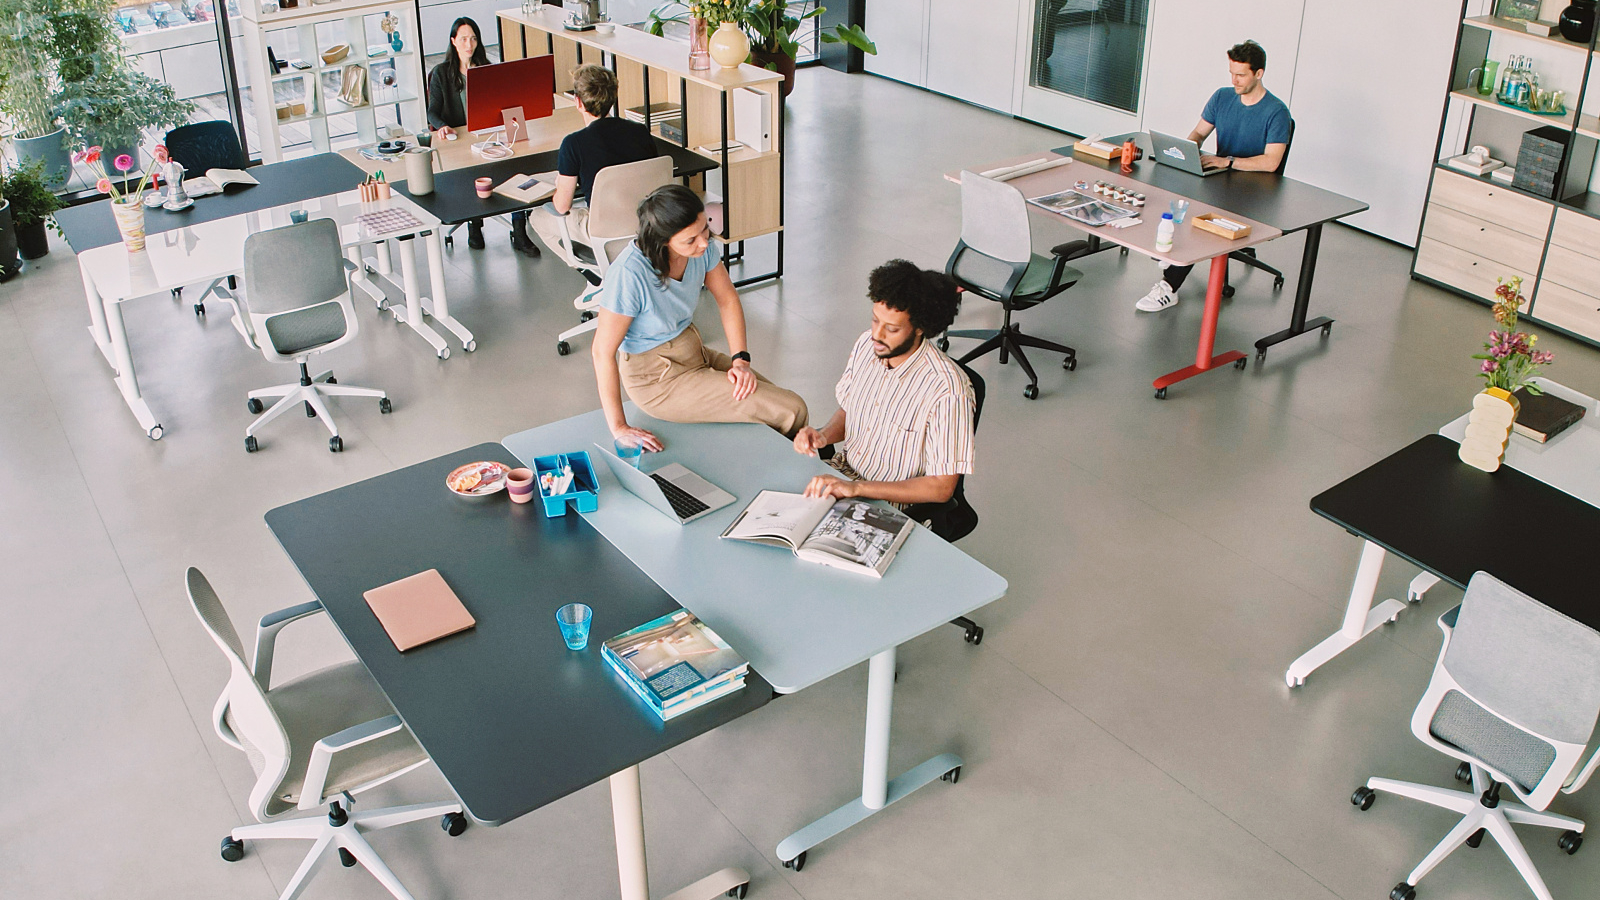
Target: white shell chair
<point>313,743</point>
<point>1514,696</point>
<point>297,302</point>
<point>613,222</point>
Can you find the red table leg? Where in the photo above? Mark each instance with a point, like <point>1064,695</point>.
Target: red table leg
<point>1203,360</point>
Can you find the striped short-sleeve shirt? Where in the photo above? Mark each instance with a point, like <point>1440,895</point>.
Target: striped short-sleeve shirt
<point>912,420</point>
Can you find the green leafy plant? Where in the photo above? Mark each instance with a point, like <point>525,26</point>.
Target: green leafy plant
<point>769,24</point>
<point>115,103</point>
<point>43,45</point>
<point>31,199</point>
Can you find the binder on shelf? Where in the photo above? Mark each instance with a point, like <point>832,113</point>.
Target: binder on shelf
<point>752,119</point>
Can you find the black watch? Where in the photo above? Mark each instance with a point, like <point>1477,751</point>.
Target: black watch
<point>742,354</point>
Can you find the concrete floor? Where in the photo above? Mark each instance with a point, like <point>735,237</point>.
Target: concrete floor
<point>1125,724</point>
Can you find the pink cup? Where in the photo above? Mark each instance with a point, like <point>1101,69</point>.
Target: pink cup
<point>485,187</point>
<point>519,484</point>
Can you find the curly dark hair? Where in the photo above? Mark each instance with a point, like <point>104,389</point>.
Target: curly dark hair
<point>930,297</point>
<point>1250,53</point>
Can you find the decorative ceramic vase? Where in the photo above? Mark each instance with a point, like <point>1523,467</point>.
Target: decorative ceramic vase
<point>1489,429</point>
<point>130,222</point>
<point>729,46</point>
<point>1577,21</point>
<point>699,52</point>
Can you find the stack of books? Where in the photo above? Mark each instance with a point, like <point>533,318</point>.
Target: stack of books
<point>675,663</point>
<point>658,111</point>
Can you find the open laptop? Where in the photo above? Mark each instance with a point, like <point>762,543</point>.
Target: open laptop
<point>1180,153</point>
<point>672,490</point>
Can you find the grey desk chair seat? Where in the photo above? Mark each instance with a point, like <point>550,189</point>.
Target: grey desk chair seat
<point>1514,696</point>
<point>613,222</point>
<point>995,260</point>
<point>291,311</point>
<point>313,744</point>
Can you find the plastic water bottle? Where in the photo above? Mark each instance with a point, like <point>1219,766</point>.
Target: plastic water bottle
<point>1164,232</point>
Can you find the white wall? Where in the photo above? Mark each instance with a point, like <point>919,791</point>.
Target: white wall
<point>1188,48</point>
<point>965,45</point>
<point>900,30</point>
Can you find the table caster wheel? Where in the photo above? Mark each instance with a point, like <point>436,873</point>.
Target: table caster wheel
<point>1261,356</point>
<point>563,348</point>
<point>586,315</point>
<point>1277,283</point>
<point>155,432</point>
<point>1070,364</point>
<point>444,352</point>
<point>336,444</point>
<point>470,346</point>
<point>346,858</point>
<point>952,776</point>
<point>250,444</point>
<point>177,294</point>
<point>1240,363</point>
<point>1569,842</point>
<point>1464,772</point>
<point>1227,291</point>
<point>1364,797</point>
<point>798,863</point>
<point>1403,891</point>
<point>453,824</point>
<point>1476,840</point>
<point>1161,393</point>
<point>1294,681</point>
<point>384,406</point>
<point>232,849</point>
<point>1031,392</point>
<point>1124,250</point>
<point>255,406</point>
<point>739,890</point>
<point>974,635</point>
<point>1327,329</point>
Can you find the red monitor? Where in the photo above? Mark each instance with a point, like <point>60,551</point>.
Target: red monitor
<point>529,83</point>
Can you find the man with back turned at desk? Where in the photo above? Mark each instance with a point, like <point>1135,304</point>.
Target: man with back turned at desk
<point>1252,127</point>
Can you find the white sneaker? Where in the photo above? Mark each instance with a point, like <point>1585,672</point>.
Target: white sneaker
<point>1162,296</point>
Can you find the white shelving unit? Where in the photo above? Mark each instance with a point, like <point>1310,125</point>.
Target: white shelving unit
<point>303,33</point>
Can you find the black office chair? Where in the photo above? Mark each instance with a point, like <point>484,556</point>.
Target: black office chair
<point>198,147</point>
<point>995,259</point>
<point>1248,254</point>
<point>955,518</point>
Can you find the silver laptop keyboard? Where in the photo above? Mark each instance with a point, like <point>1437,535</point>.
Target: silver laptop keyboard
<point>683,503</point>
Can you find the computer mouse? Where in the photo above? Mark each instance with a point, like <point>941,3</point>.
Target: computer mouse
<point>451,136</point>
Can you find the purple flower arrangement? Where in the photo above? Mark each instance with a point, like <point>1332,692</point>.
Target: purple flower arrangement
<point>1509,359</point>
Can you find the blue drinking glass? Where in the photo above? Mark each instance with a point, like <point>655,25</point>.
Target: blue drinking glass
<point>574,622</point>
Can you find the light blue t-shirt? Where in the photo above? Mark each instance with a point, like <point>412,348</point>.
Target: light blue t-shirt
<point>660,311</point>
<point>1246,131</point>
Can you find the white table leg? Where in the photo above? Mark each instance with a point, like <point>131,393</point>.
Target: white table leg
<point>359,278</point>
<point>877,789</point>
<point>127,378</point>
<point>627,820</point>
<point>1361,618</point>
<point>97,317</point>
<point>438,305</point>
<point>413,311</point>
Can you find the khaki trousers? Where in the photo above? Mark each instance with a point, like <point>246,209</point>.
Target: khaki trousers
<point>547,225</point>
<point>683,380</point>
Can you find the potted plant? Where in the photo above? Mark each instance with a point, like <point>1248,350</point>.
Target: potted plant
<point>9,264</point>
<point>1509,363</point>
<point>127,206</point>
<point>32,202</point>
<point>44,44</point>
<point>769,26</point>
<point>114,103</point>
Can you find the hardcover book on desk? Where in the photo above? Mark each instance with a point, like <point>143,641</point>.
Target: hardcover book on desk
<point>847,534</point>
<point>1543,416</point>
<point>675,663</point>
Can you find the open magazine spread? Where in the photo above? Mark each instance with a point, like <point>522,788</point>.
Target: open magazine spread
<point>850,533</point>
<point>675,663</point>
<point>214,181</point>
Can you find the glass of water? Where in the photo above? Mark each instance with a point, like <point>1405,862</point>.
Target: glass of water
<point>629,450</point>
<point>573,620</point>
<point>1179,209</point>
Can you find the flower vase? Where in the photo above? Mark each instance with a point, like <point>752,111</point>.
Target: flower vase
<point>1489,429</point>
<point>729,46</point>
<point>129,214</point>
<point>699,49</point>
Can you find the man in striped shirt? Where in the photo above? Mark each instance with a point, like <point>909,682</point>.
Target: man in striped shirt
<point>904,425</point>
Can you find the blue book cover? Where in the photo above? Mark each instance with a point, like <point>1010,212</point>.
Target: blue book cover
<point>673,655</point>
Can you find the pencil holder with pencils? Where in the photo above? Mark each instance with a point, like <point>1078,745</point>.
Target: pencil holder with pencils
<point>564,478</point>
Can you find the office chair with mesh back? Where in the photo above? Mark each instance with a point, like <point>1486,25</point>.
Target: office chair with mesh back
<point>613,222</point>
<point>1514,696</point>
<point>200,147</point>
<point>1248,254</point>
<point>995,259</point>
<point>289,312</point>
<point>314,742</point>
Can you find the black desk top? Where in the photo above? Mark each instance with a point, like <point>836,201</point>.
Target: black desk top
<point>1427,506</point>
<point>455,200</point>
<point>90,225</point>
<point>1271,199</point>
<point>512,718</point>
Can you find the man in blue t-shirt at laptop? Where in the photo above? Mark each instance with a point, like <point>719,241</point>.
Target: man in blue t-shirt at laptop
<point>1252,127</point>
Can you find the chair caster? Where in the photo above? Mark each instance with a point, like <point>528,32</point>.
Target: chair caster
<point>444,353</point>
<point>974,635</point>
<point>1363,797</point>
<point>563,348</point>
<point>1240,363</point>
<point>346,858</point>
<point>200,309</point>
<point>155,432</point>
<point>1476,840</point>
<point>331,380</point>
<point>255,406</point>
<point>1569,842</point>
<point>1464,772</point>
<point>739,890</point>
<point>1031,392</point>
<point>311,413</point>
<point>470,346</point>
<point>250,444</point>
<point>586,315</point>
<point>1277,283</point>
<point>1403,891</point>
<point>453,824</point>
<point>1161,393</point>
<point>384,406</point>
<point>798,863</point>
<point>952,776</point>
<point>232,849</point>
<point>1070,364</point>
<point>1227,291</point>
<point>336,444</point>
<point>449,241</point>
<point>944,344</point>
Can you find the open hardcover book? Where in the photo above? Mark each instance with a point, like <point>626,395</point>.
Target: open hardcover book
<point>215,181</point>
<point>528,188</point>
<point>850,534</point>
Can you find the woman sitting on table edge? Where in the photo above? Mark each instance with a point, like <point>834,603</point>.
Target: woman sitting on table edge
<point>447,113</point>
<point>646,312</point>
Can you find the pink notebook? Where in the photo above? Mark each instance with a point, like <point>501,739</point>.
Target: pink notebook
<point>418,609</point>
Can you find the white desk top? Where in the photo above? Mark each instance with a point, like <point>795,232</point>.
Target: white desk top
<point>1570,461</point>
<point>797,622</point>
<point>214,249</point>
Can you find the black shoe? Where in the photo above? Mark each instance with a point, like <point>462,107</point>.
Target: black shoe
<point>525,245</point>
<point>475,235</point>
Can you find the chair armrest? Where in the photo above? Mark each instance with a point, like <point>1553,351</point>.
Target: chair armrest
<point>1061,253</point>
<point>1585,773</point>
<point>1070,250</point>
<point>241,318</point>
<point>267,636</point>
<point>323,752</point>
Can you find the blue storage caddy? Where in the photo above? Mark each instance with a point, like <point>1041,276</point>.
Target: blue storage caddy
<point>585,491</point>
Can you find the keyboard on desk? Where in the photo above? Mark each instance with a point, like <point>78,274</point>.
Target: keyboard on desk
<point>683,503</point>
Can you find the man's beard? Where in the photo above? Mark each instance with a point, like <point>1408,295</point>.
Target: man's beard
<point>904,348</point>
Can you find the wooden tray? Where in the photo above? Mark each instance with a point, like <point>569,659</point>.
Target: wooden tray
<point>1211,222</point>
